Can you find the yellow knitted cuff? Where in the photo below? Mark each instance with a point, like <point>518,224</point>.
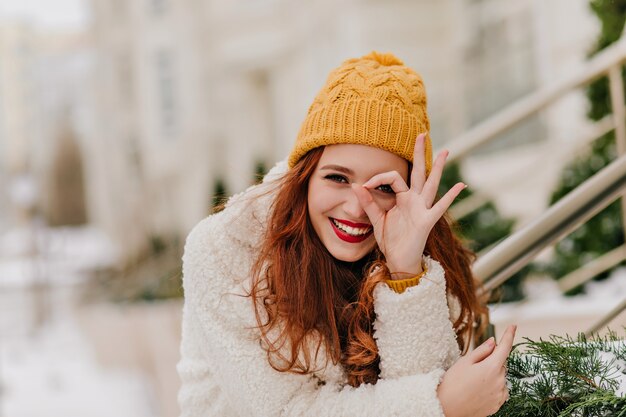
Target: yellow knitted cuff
<point>399,285</point>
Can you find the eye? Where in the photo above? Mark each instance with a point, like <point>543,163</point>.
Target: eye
<point>336,178</point>
<point>386,188</point>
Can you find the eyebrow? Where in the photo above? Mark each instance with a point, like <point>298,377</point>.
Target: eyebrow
<point>338,168</point>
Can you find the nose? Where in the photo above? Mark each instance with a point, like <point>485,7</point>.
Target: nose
<point>353,208</point>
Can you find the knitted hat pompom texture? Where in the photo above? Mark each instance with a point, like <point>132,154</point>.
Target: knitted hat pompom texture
<point>374,100</point>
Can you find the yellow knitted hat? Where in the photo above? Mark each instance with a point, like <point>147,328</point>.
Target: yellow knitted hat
<point>374,100</point>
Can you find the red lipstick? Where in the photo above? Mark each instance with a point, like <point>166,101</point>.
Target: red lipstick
<point>349,238</point>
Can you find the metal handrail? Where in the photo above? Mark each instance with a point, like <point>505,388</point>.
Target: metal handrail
<point>607,319</point>
<point>578,206</point>
<point>591,269</point>
<point>581,204</point>
<point>601,64</point>
<point>477,200</point>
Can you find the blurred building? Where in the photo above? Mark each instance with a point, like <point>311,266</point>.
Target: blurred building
<point>16,108</point>
<point>42,94</point>
<point>19,108</point>
<point>193,92</point>
<point>151,145</point>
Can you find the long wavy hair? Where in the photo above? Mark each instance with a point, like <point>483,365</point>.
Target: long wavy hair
<point>302,295</point>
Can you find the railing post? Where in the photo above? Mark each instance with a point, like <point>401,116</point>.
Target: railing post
<point>616,85</point>
<point>617,310</point>
<point>617,103</point>
<point>619,115</point>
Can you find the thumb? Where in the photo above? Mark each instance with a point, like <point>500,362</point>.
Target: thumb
<point>482,351</point>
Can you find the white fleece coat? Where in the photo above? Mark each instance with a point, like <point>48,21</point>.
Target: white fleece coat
<point>225,372</point>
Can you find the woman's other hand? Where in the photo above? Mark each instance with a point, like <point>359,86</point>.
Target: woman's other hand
<point>401,232</point>
<point>475,386</point>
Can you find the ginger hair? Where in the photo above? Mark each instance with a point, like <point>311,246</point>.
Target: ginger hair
<point>301,293</point>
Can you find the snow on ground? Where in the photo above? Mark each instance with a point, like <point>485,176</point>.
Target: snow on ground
<point>29,255</point>
<point>47,367</point>
<point>54,373</point>
<point>544,300</point>
<point>619,373</point>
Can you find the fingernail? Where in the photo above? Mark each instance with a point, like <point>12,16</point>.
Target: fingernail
<point>489,342</point>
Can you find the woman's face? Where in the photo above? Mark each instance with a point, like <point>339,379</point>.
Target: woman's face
<point>334,210</point>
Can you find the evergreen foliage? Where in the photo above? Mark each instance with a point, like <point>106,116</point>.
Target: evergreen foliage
<point>567,377</point>
<point>219,196</point>
<point>604,231</point>
<point>260,169</point>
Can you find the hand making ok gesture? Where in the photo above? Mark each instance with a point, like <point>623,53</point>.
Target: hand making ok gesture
<point>401,232</point>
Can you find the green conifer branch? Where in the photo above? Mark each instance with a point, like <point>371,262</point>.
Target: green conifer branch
<point>566,377</point>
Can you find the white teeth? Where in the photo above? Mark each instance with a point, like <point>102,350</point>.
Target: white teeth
<point>354,231</point>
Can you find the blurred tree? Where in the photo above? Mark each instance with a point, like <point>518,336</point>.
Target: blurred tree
<point>157,244</point>
<point>154,275</point>
<point>219,195</point>
<point>65,196</point>
<point>482,228</point>
<point>260,169</point>
<point>604,231</point>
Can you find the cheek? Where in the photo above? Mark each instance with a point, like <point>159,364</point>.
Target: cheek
<point>320,198</point>
<point>315,199</point>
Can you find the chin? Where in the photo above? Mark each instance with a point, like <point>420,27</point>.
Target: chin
<point>349,257</point>
<point>347,254</point>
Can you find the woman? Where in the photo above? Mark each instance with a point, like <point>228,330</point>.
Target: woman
<point>336,287</point>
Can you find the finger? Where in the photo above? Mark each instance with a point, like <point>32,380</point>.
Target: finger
<point>418,173</point>
<point>391,178</point>
<point>432,183</point>
<point>374,212</point>
<point>482,351</point>
<point>501,352</point>
<point>446,201</point>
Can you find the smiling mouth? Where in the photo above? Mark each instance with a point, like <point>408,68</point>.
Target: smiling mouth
<point>350,234</point>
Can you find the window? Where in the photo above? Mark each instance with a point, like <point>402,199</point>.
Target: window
<point>125,77</point>
<point>157,7</point>
<point>166,92</point>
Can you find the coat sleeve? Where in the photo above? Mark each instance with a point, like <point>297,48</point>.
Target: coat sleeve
<point>413,330</point>
<point>220,355</point>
